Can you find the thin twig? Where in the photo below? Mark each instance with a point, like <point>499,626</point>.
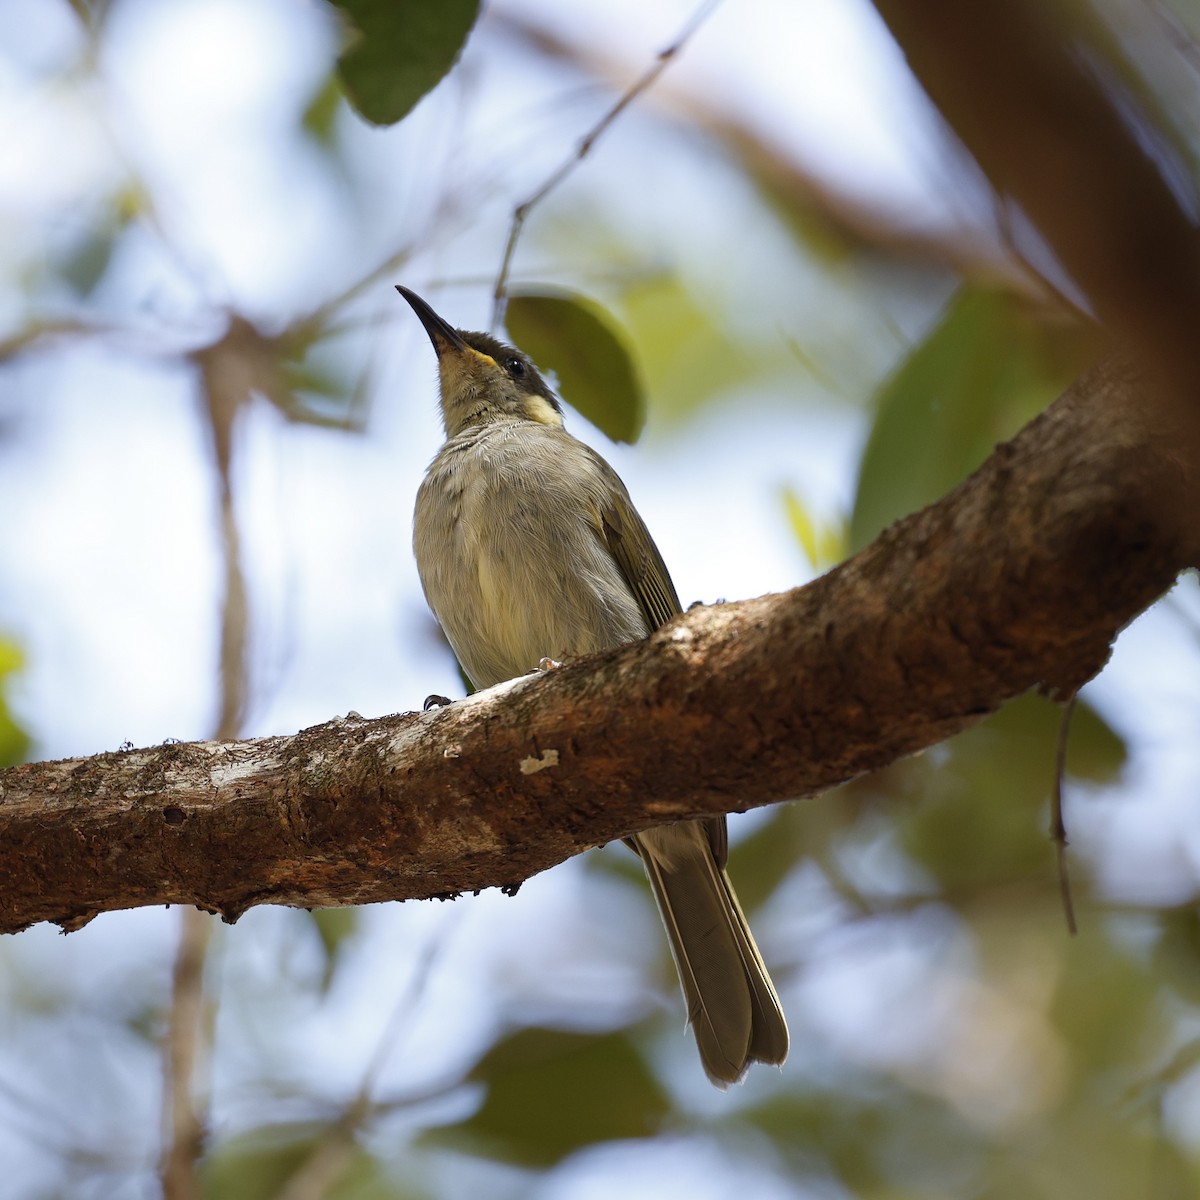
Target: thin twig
<point>324,1166</point>
<point>184,1123</point>
<point>41,329</point>
<point>408,1001</point>
<point>640,85</point>
<point>1058,828</point>
<point>319,318</point>
<point>31,1116</point>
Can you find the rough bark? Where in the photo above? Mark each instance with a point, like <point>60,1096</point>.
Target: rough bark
<point>1020,578</point>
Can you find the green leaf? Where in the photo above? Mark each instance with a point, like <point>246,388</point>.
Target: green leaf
<point>14,741</point>
<point>982,816</point>
<point>401,51</point>
<point>823,544</point>
<point>989,366</point>
<point>84,265</point>
<point>586,348</point>
<point>761,861</point>
<point>259,1165</point>
<point>802,523</point>
<point>878,1139</point>
<point>688,355</point>
<point>319,119</point>
<point>1095,751</point>
<point>1177,952</point>
<point>85,262</point>
<point>550,1092</point>
<point>334,927</point>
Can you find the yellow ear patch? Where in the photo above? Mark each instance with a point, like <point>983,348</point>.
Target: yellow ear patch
<point>539,409</point>
<point>483,358</point>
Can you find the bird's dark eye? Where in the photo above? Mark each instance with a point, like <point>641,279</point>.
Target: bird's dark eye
<point>516,368</point>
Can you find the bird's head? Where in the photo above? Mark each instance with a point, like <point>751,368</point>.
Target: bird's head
<point>482,379</point>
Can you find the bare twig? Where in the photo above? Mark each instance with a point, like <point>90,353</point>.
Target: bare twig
<point>786,179</point>
<point>185,1051</point>
<point>329,1158</point>
<point>1058,828</point>
<point>233,625</point>
<point>321,316</point>
<point>640,85</point>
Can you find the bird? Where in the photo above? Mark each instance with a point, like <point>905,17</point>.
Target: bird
<point>529,549</point>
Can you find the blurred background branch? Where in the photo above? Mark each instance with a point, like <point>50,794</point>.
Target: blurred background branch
<point>1025,87</point>
<point>185,1066</point>
<point>228,379</point>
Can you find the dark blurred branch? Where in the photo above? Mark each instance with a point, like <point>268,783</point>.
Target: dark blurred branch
<point>38,331</point>
<point>184,1053</point>
<point>1019,578</point>
<point>229,371</point>
<point>1022,87</point>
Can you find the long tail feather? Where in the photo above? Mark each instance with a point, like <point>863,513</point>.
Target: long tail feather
<point>732,1005</point>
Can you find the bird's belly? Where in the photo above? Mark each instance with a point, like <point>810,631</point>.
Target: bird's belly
<point>513,579</point>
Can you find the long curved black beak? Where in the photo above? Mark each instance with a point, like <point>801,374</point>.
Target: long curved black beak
<point>442,334</point>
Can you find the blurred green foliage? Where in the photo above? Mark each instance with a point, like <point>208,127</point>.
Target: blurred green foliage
<point>315,385</point>
<point>549,1092</point>
<point>261,1165</point>
<point>14,741</point>
<point>992,362</point>
<point>334,927</point>
<point>823,543</point>
<point>973,1051</point>
<point>688,357</point>
<point>979,826</point>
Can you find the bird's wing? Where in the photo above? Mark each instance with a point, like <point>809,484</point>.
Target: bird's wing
<point>637,557</point>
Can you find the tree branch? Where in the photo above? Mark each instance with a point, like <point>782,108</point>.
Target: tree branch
<point>1019,578</point>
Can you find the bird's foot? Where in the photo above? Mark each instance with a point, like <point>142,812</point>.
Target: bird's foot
<point>548,664</point>
<point>435,701</point>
